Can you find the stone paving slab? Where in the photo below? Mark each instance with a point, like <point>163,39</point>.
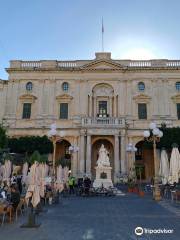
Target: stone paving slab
<point>100,218</point>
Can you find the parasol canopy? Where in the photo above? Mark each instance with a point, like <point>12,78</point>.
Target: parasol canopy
<point>174,166</point>
<point>164,167</point>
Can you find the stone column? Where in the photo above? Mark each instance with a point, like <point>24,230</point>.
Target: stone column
<point>94,106</point>
<point>90,106</point>
<point>115,106</point>
<point>116,157</point>
<point>110,106</point>
<point>81,155</point>
<point>74,158</point>
<point>88,155</point>
<point>123,154</point>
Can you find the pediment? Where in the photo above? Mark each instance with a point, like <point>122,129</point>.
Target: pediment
<point>64,97</point>
<point>28,97</point>
<point>142,98</point>
<point>102,65</point>
<point>176,98</point>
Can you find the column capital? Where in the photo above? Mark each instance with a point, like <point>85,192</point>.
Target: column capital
<point>83,132</point>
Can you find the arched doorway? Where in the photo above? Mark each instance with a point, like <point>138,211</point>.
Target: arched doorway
<point>95,154</point>
<point>145,160</point>
<point>62,152</point>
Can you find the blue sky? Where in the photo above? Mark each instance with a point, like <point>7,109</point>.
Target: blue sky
<point>71,29</point>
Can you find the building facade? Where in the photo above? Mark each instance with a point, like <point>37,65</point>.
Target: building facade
<point>93,101</point>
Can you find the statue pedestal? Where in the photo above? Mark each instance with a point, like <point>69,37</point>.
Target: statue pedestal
<point>103,177</point>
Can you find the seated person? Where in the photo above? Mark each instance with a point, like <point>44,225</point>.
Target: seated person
<point>15,196</point>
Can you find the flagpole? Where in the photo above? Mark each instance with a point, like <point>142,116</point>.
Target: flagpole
<point>102,36</point>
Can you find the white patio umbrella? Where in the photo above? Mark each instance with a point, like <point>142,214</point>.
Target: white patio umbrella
<point>174,166</point>
<point>59,170</point>
<point>66,174</point>
<point>164,167</point>
<point>42,173</point>
<point>25,172</point>
<point>34,185</point>
<point>1,172</point>
<point>7,168</point>
<point>59,179</point>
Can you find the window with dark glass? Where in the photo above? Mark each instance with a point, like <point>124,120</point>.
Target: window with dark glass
<point>102,108</point>
<point>29,86</point>
<point>178,110</point>
<point>63,110</point>
<point>178,86</point>
<point>141,86</point>
<point>142,111</point>
<point>26,111</point>
<point>65,86</point>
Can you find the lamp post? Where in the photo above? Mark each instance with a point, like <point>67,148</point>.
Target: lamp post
<point>130,148</point>
<point>73,149</point>
<point>54,137</point>
<point>153,135</point>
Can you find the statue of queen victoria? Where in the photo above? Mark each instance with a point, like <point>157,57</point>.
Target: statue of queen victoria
<point>103,159</point>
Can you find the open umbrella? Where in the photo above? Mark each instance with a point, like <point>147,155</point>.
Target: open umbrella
<point>164,167</point>
<point>174,166</point>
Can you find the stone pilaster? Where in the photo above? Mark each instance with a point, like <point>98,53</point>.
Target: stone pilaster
<point>81,154</point>
<point>116,157</point>
<point>88,155</point>
<point>123,154</point>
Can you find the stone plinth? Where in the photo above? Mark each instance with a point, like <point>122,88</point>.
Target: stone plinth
<point>103,177</point>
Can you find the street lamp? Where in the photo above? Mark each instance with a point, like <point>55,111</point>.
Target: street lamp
<point>54,137</point>
<point>153,135</point>
<point>130,148</point>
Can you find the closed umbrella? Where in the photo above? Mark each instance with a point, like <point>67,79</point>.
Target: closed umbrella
<point>25,172</point>
<point>42,173</point>
<point>34,185</point>
<point>66,174</point>
<point>164,167</point>
<point>7,171</point>
<point>59,179</point>
<point>174,166</point>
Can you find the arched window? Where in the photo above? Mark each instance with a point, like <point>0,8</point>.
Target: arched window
<point>178,86</point>
<point>141,86</point>
<point>29,86</point>
<point>65,86</point>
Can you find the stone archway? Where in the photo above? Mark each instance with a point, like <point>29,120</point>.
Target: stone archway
<point>62,150</point>
<point>95,153</point>
<point>144,157</point>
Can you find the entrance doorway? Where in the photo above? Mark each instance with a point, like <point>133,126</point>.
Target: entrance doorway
<point>62,153</point>
<point>144,161</point>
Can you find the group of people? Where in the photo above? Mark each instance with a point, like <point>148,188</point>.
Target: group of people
<point>78,186</point>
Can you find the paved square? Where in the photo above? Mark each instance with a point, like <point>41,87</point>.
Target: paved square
<point>100,218</point>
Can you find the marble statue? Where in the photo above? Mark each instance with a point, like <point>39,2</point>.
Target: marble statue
<point>103,159</point>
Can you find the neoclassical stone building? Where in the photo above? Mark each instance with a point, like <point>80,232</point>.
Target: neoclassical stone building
<point>93,101</point>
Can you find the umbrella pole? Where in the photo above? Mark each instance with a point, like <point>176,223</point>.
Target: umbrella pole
<point>31,221</point>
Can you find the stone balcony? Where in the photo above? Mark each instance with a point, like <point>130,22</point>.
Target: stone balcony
<point>103,122</point>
